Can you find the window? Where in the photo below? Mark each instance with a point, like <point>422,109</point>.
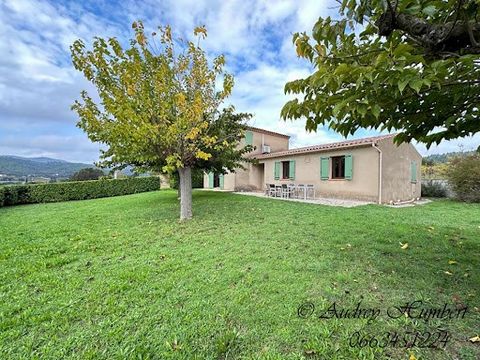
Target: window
<point>248,137</point>
<point>338,167</point>
<point>413,172</point>
<point>285,169</point>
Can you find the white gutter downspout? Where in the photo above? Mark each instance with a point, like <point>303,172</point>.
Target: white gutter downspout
<point>379,172</point>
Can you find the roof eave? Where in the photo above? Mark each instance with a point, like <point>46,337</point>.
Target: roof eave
<point>313,151</point>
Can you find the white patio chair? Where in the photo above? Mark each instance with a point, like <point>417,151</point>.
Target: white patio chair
<point>285,191</point>
<point>301,191</point>
<point>310,190</point>
<point>278,192</point>
<point>291,191</point>
<point>272,190</point>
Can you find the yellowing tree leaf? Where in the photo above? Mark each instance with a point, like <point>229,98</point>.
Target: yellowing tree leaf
<point>451,262</point>
<point>475,339</point>
<point>203,155</point>
<point>404,246</point>
<point>200,30</point>
<point>412,357</point>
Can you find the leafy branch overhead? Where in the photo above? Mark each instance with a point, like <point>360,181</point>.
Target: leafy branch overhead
<point>406,65</point>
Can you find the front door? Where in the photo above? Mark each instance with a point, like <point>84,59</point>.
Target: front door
<point>216,180</point>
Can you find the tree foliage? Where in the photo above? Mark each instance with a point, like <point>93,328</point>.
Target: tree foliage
<point>410,66</point>
<point>87,174</point>
<point>159,104</point>
<point>463,176</point>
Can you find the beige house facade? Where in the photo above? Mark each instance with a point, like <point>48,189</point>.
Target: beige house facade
<point>371,169</point>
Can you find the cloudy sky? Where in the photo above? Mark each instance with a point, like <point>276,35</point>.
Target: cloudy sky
<point>38,83</point>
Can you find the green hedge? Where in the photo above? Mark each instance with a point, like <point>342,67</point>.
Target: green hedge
<point>75,190</point>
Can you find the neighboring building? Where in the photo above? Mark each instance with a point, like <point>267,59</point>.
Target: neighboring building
<point>371,169</point>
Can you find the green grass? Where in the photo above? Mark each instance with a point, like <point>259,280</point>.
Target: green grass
<point>122,278</point>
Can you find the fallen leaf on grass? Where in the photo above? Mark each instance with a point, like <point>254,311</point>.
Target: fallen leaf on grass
<point>451,262</point>
<point>475,339</point>
<point>412,357</point>
<point>310,352</point>
<point>404,246</point>
<point>448,273</point>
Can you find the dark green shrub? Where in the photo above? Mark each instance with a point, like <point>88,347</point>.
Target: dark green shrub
<point>15,194</point>
<point>75,190</point>
<point>197,179</point>
<point>433,189</point>
<point>87,174</point>
<point>463,174</point>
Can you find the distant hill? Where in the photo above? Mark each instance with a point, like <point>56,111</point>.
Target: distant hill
<point>443,158</point>
<point>38,166</point>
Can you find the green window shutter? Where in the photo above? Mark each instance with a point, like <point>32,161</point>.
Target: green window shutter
<point>248,138</point>
<point>276,170</point>
<point>348,167</point>
<point>221,181</point>
<point>291,168</point>
<point>413,172</point>
<point>324,167</point>
<point>210,180</point>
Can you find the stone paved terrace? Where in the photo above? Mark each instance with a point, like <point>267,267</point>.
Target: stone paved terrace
<point>319,201</point>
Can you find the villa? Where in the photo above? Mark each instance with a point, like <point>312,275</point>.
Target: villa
<point>370,169</point>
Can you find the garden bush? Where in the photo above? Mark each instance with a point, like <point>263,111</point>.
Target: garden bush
<point>197,179</point>
<point>463,174</point>
<point>75,190</point>
<point>433,189</point>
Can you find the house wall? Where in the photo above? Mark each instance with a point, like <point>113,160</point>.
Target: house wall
<point>252,177</point>
<point>362,186</point>
<point>276,142</point>
<point>396,171</point>
<point>249,179</point>
<point>228,181</point>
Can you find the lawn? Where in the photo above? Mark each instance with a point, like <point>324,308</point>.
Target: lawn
<point>122,278</point>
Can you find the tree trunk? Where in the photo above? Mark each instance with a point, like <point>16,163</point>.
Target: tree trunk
<point>185,187</point>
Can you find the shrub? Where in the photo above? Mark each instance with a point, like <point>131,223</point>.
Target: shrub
<point>15,194</point>
<point>75,190</point>
<point>463,175</point>
<point>87,174</point>
<point>197,179</point>
<point>433,189</point>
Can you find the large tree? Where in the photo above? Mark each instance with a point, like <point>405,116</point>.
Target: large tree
<point>158,106</point>
<point>407,65</point>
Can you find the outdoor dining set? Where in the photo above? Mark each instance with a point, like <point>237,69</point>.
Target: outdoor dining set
<point>291,191</point>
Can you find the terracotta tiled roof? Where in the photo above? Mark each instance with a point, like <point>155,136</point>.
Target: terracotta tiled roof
<point>267,131</point>
<point>325,147</point>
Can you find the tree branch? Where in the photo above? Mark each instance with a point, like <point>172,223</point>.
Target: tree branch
<point>452,36</point>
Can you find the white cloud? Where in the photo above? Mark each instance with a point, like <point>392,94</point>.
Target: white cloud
<point>468,143</point>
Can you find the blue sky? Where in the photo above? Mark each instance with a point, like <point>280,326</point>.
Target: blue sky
<point>38,83</point>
